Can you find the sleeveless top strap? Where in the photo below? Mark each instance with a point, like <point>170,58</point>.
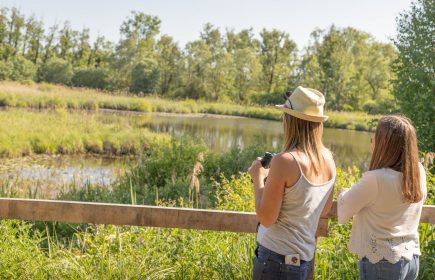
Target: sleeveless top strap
<point>297,162</point>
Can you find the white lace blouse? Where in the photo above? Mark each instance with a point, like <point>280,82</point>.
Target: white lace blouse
<point>383,225</point>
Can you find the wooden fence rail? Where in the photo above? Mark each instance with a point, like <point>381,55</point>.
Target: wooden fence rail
<point>151,216</point>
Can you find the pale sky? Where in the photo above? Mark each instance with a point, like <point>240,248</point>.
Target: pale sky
<point>184,19</point>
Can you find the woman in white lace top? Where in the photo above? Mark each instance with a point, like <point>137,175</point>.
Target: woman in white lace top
<point>386,204</point>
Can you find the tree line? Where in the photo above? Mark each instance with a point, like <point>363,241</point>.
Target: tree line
<point>349,66</point>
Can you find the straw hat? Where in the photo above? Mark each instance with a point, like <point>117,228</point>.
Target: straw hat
<point>305,103</point>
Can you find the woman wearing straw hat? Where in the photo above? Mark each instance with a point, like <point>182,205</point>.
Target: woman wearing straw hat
<point>298,188</point>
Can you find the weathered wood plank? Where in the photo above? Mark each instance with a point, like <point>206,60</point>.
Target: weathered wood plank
<point>119,214</point>
<point>322,228</point>
<point>166,217</point>
<point>428,214</point>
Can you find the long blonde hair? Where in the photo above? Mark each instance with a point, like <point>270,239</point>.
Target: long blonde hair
<point>305,136</point>
<point>396,148</point>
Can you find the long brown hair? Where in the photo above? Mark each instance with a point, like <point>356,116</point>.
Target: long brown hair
<point>305,136</point>
<point>396,148</point>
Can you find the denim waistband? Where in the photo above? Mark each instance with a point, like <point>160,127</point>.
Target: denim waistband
<point>267,254</point>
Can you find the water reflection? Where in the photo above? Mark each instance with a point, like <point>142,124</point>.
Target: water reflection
<point>223,133</point>
<point>54,171</point>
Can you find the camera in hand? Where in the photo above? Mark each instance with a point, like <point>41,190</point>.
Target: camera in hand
<point>266,159</point>
<point>265,162</point>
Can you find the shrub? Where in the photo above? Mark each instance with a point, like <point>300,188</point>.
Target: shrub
<point>371,107</point>
<point>5,70</point>
<point>23,69</point>
<point>17,68</point>
<point>91,77</point>
<point>266,98</point>
<point>56,71</point>
<point>145,77</point>
<point>140,105</point>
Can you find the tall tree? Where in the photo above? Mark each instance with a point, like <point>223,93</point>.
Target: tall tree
<point>67,42</point>
<point>50,48</point>
<point>198,67</point>
<point>219,79</point>
<point>101,53</point>
<point>15,26</point>
<point>247,67</point>
<point>33,39</point>
<point>83,49</point>
<point>3,32</point>
<point>348,66</point>
<point>169,64</point>
<point>377,72</point>
<point>137,45</point>
<point>414,67</point>
<point>278,56</point>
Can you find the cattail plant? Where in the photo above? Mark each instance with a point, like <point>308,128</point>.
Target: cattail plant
<point>194,182</point>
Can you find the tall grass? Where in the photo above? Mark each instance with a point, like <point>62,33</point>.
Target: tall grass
<point>114,252</point>
<point>42,96</point>
<point>25,132</point>
<point>47,96</point>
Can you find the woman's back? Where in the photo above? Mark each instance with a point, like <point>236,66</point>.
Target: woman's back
<point>302,205</point>
<point>384,225</point>
<point>302,166</point>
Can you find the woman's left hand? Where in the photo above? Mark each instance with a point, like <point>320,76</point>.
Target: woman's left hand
<point>257,172</point>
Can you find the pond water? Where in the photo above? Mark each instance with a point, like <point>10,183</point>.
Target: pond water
<point>44,176</point>
<point>220,133</point>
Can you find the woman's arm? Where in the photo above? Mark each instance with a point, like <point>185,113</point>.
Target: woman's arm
<point>328,204</point>
<point>268,198</point>
<point>359,196</point>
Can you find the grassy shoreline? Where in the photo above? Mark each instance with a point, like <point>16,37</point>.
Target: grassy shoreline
<point>26,132</point>
<point>47,96</point>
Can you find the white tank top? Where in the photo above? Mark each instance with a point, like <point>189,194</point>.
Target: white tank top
<point>294,231</point>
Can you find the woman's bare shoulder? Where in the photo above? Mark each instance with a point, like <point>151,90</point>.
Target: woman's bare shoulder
<point>328,156</point>
<point>286,163</point>
<point>283,158</point>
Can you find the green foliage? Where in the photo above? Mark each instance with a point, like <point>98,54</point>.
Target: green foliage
<point>169,61</point>
<point>91,77</point>
<point>235,193</point>
<point>349,67</point>
<point>20,254</point>
<point>415,69</point>
<point>56,71</point>
<point>165,170</point>
<point>267,98</point>
<point>233,162</point>
<point>17,68</point>
<point>145,77</point>
<point>278,60</point>
<point>427,245</point>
